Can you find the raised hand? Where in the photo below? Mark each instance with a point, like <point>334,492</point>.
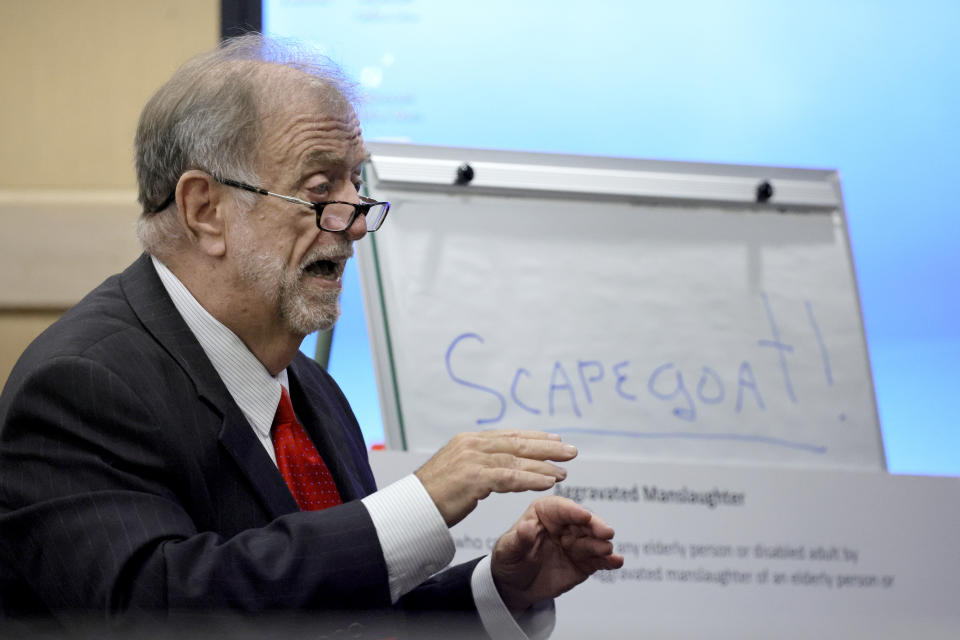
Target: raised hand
<point>474,465</point>
<point>554,546</point>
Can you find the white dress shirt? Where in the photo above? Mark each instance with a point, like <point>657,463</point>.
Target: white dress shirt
<point>415,540</point>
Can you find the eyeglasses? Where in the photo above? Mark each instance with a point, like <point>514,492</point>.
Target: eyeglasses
<point>333,215</point>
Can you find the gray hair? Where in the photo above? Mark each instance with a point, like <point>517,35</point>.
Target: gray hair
<point>208,117</point>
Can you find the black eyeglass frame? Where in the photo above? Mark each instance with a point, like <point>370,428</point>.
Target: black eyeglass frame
<point>358,209</point>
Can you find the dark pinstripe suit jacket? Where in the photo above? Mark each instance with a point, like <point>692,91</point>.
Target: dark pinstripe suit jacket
<point>131,482</point>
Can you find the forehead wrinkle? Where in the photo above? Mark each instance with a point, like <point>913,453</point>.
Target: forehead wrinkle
<point>329,145</point>
<point>308,140</point>
<point>334,134</point>
<point>322,158</point>
<point>295,104</point>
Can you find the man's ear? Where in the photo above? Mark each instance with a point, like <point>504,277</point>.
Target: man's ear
<point>200,205</point>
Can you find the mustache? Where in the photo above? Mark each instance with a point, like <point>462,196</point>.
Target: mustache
<point>333,253</point>
<point>336,253</point>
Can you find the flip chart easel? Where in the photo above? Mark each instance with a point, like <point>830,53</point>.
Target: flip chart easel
<point>645,310</point>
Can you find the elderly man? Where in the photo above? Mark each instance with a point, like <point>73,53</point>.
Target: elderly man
<point>166,449</point>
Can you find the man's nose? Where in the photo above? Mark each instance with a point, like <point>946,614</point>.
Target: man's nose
<point>358,228</point>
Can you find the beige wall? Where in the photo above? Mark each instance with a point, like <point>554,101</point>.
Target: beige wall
<point>74,78</point>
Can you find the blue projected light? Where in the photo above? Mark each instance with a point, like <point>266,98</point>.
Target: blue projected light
<point>870,89</point>
<point>350,360</point>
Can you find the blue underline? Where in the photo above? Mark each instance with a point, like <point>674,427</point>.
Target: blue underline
<point>739,437</point>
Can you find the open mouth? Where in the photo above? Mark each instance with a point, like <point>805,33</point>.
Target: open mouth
<point>328,269</point>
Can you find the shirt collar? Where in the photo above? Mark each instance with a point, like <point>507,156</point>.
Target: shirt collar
<point>251,386</point>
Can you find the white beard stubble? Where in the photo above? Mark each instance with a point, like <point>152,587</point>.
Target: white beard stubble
<point>301,311</point>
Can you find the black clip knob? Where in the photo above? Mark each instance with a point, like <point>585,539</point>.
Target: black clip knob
<point>464,174</point>
<point>764,191</point>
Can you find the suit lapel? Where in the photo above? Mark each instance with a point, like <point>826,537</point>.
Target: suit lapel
<point>152,304</point>
<point>328,437</point>
<point>237,437</point>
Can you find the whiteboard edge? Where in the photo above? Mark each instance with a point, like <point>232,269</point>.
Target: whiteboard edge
<point>412,167</point>
<point>379,345</point>
<point>842,210</point>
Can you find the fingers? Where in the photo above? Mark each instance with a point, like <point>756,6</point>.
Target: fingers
<point>589,553</point>
<point>557,513</point>
<point>583,539</point>
<point>602,563</point>
<point>600,529</point>
<point>473,465</point>
<point>519,433</point>
<point>514,545</point>
<point>534,445</point>
<point>528,531</point>
<point>591,562</point>
<point>583,548</point>
<point>555,545</point>
<point>514,481</point>
<point>508,461</point>
<point>584,536</point>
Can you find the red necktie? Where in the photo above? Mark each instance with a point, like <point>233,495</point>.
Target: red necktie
<point>299,461</point>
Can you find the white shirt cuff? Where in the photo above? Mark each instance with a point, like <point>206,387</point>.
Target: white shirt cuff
<point>499,623</point>
<point>415,540</point>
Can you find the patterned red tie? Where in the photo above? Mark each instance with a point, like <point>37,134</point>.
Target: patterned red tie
<point>300,463</point>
